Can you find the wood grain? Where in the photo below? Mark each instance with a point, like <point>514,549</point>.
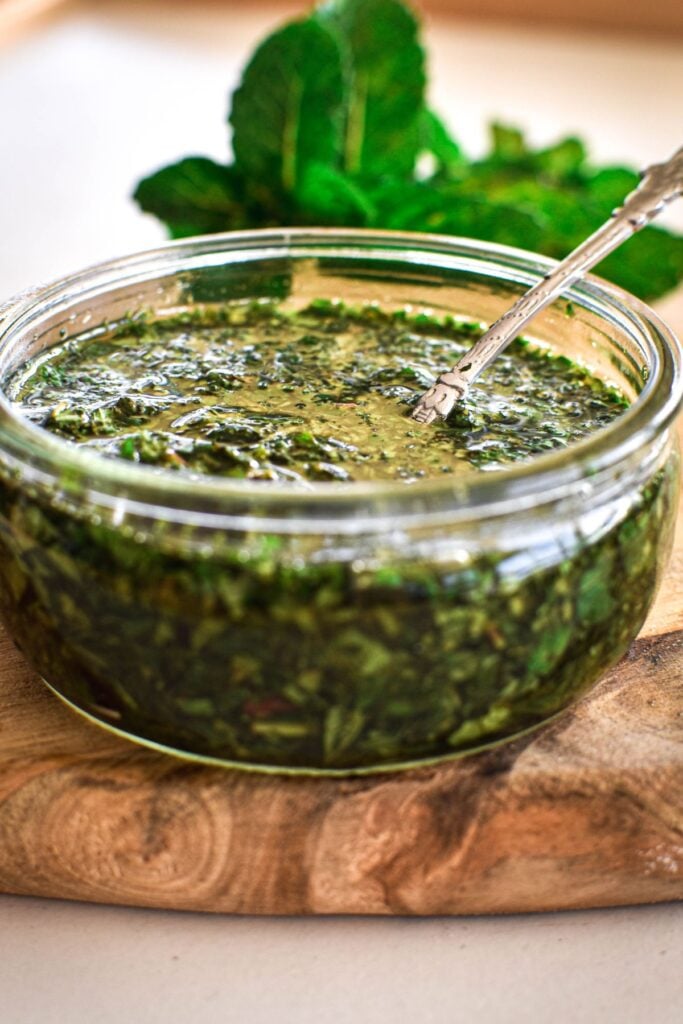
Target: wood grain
<point>586,812</point>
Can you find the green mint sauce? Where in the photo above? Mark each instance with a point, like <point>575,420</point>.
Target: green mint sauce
<point>344,654</point>
<point>323,394</point>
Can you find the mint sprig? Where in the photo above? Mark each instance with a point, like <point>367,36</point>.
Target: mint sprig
<point>287,112</point>
<point>330,126</point>
<point>384,75</point>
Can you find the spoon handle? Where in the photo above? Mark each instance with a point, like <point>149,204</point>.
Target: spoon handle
<point>659,185</point>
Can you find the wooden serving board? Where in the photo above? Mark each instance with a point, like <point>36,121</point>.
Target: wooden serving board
<point>586,812</point>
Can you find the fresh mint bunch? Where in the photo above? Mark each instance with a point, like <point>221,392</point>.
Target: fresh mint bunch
<point>330,126</point>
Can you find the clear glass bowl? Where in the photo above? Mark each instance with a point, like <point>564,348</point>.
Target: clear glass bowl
<point>350,627</point>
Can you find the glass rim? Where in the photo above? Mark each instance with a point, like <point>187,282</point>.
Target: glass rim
<point>217,501</point>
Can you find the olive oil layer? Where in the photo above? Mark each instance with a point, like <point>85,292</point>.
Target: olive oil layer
<point>319,395</point>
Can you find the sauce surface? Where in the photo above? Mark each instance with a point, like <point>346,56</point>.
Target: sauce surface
<point>321,394</point>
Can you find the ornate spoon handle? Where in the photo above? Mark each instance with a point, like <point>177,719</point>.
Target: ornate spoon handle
<point>659,185</point>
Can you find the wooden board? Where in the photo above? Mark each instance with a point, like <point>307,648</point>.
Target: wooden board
<point>586,812</point>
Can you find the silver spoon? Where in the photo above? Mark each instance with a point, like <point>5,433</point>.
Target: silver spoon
<point>659,185</point>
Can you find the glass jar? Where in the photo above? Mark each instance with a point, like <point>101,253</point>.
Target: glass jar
<point>348,627</point>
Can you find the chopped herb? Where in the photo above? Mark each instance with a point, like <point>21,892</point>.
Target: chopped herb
<point>193,399</point>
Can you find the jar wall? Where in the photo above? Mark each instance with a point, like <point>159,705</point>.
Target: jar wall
<point>361,661</point>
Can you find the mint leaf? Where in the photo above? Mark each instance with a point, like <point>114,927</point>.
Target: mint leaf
<point>649,264</point>
<point>287,113</point>
<point>607,188</point>
<point>327,196</point>
<point>567,201</point>
<point>384,65</point>
<point>563,160</point>
<point>446,210</point>
<point>507,143</point>
<point>437,140</point>
<point>195,196</point>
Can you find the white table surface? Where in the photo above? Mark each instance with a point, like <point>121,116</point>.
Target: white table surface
<point>90,99</point>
